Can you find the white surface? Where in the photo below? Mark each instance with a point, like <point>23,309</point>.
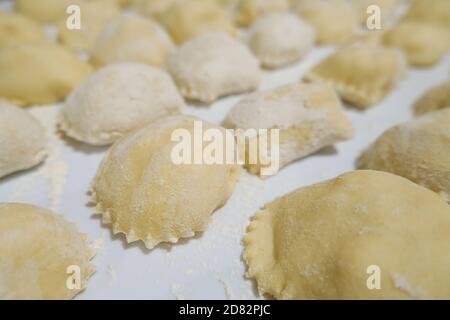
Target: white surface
<point>208,266</point>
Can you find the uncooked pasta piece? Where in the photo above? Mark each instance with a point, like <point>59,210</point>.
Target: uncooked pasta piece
<point>46,11</point>
<point>333,20</point>
<point>187,19</point>
<point>424,44</point>
<point>362,73</point>
<point>144,192</point>
<point>117,99</point>
<point>132,39</point>
<point>213,65</point>
<point>417,150</point>
<point>430,11</point>
<point>153,8</point>
<point>39,73</point>
<point>362,235</point>
<point>16,29</point>
<point>248,11</point>
<point>434,99</point>
<point>22,140</point>
<point>44,257</point>
<point>278,39</point>
<point>95,14</point>
<point>309,117</point>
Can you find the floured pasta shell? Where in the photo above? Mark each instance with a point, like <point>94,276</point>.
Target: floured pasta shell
<point>41,254</point>
<point>248,11</point>
<point>132,39</point>
<point>430,11</point>
<point>22,140</point>
<point>423,44</point>
<point>47,11</point>
<point>39,73</point>
<point>417,150</point>
<point>278,39</point>
<point>153,8</point>
<point>142,192</point>
<point>333,20</point>
<point>117,99</point>
<point>435,99</point>
<point>16,29</point>
<point>214,65</point>
<point>332,239</point>
<point>309,117</point>
<point>95,15</point>
<point>362,74</point>
<point>186,19</point>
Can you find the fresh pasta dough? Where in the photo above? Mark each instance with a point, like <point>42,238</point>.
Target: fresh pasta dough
<point>430,11</point>
<point>116,99</point>
<point>417,150</point>
<point>143,194</point>
<point>17,29</point>
<point>333,239</point>
<point>153,8</point>
<point>333,20</point>
<point>46,11</point>
<point>22,140</point>
<point>423,44</point>
<point>309,117</point>
<point>248,11</point>
<point>40,251</point>
<point>436,98</point>
<point>278,39</point>
<point>132,39</point>
<point>213,65</point>
<point>95,15</point>
<point>362,73</point>
<point>39,73</point>
<point>186,19</point>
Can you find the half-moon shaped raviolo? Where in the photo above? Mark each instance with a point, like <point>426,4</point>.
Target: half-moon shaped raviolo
<point>39,253</point>
<point>132,39</point>
<point>117,99</point>
<point>309,117</point>
<point>418,150</point>
<point>22,140</point>
<point>39,73</point>
<point>142,192</point>
<point>16,29</point>
<point>248,11</point>
<point>187,19</point>
<point>278,39</point>
<point>213,65</point>
<point>331,240</point>
<point>436,98</point>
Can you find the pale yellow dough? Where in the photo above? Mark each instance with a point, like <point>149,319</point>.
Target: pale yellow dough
<point>36,248</point>
<point>143,194</point>
<point>333,20</point>
<point>436,98</point>
<point>309,117</point>
<point>39,73</point>
<point>153,8</point>
<point>423,44</point>
<point>319,241</point>
<point>47,11</point>
<point>213,65</point>
<point>248,11</point>
<point>388,9</point>
<point>117,99</point>
<point>132,39</point>
<point>430,11</point>
<point>417,150</point>
<point>16,29</point>
<point>23,143</point>
<point>362,73</point>
<point>187,19</point>
<point>95,15</point>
